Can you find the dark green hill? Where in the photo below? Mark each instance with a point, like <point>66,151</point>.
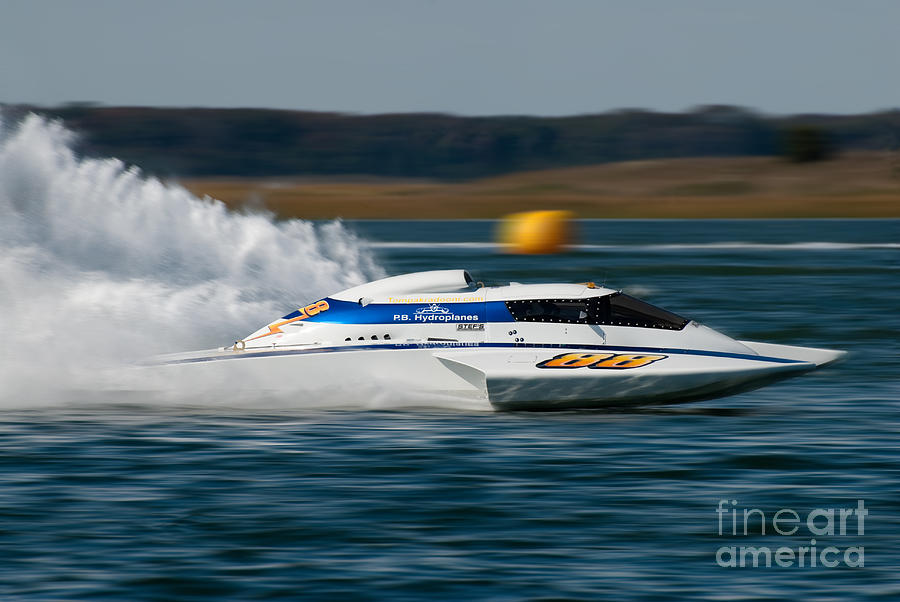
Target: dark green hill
<point>261,142</point>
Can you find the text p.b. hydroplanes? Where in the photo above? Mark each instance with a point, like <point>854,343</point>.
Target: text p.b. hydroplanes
<point>521,346</point>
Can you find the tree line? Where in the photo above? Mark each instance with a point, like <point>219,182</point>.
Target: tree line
<point>263,142</point>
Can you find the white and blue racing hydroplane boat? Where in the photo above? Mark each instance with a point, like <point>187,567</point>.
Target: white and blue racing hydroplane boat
<point>521,346</point>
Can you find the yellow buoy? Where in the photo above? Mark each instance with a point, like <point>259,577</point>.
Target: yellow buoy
<point>535,232</point>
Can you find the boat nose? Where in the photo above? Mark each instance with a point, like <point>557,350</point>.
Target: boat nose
<point>823,357</point>
<point>810,355</point>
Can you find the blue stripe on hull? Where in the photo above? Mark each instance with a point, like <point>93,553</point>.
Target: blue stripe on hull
<point>439,345</point>
<point>347,312</point>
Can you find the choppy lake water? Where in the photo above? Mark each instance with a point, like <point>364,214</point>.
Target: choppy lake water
<point>122,499</point>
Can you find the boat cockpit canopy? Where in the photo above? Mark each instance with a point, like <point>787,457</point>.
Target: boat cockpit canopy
<point>617,309</point>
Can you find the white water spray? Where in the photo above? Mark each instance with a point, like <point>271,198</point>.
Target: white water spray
<point>101,265</point>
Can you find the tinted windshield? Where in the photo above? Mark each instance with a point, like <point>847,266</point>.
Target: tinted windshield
<point>617,309</point>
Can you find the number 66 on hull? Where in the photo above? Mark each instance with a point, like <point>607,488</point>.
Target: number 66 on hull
<point>600,360</point>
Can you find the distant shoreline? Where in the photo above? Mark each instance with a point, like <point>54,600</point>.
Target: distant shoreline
<point>854,185</point>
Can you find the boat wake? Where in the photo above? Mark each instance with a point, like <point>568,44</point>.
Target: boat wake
<point>101,265</point>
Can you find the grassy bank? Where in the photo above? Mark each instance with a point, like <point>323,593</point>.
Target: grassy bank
<point>853,185</point>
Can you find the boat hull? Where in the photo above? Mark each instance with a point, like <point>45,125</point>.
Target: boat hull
<point>521,377</point>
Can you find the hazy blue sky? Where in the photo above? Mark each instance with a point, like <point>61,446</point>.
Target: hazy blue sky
<point>553,57</point>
